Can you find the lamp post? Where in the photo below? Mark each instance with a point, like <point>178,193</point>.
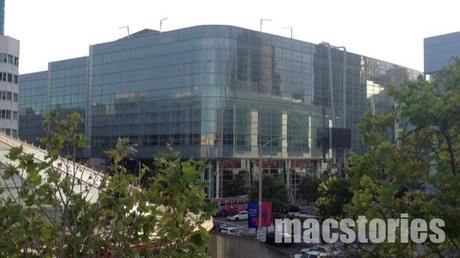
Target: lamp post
<point>161,22</point>
<point>288,174</point>
<point>344,93</point>
<point>288,28</point>
<point>125,27</point>
<point>261,176</point>
<point>262,22</point>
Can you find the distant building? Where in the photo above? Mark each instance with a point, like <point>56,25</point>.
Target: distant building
<point>2,17</point>
<point>9,80</point>
<point>217,93</point>
<point>440,50</point>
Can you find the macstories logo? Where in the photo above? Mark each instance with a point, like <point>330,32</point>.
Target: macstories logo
<point>348,231</point>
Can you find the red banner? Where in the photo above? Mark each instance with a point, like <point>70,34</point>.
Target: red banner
<point>266,213</point>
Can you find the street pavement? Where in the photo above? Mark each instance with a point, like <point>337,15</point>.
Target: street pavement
<point>252,244</point>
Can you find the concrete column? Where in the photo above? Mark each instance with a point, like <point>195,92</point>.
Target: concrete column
<point>254,132</point>
<point>217,169</point>
<point>284,134</point>
<point>310,146</point>
<point>317,166</point>
<point>288,174</point>
<point>210,192</point>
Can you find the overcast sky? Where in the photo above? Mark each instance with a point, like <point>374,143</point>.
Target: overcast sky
<point>391,30</point>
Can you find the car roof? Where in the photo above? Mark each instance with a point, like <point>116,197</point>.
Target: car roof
<point>227,227</point>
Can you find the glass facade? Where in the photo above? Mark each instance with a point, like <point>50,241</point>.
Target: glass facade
<point>2,17</point>
<point>203,91</point>
<point>215,92</point>
<point>440,50</point>
<point>63,87</point>
<point>33,104</point>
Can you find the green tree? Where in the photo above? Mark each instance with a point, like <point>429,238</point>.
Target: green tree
<point>308,189</point>
<point>179,190</point>
<point>333,194</point>
<point>237,186</point>
<point>418,174</point>
<point>273,189</point>
<point>53,208</point>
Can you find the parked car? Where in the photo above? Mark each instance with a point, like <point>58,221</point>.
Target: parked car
<point>242,215</point>
<point>229,230</point>
<point>218,225</point>
<point>230,205</point>
<point>315,256</point>
<point>293,208</point>
<point>309,256</point>
<point>271,238</point>
<point>323,251</point>
<point>301,215</point>
<point>316,248</point>
<point>298,256</point>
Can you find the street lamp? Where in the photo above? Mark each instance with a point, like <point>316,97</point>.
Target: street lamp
<point>262,21</point>
<point>125,27</point>
<point>161,22</point>
<point>261,175</point>
<point>344,93</point>
<point>288,28</point>
<point>288,174</point>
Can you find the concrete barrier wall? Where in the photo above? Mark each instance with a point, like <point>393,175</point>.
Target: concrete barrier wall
<point>227,246</point>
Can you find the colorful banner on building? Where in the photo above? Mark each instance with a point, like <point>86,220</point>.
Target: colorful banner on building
<point>266,214</point>
<point>253,214</point>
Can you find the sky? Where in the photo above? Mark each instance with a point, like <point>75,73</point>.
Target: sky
<point>390,30</point>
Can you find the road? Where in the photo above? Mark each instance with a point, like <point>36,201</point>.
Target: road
<point>242,246</point>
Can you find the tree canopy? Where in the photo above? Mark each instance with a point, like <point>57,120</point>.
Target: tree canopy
<point>308,189</point>
<point>273,189</point>
<point>418,173</point>
<point>53,208</point>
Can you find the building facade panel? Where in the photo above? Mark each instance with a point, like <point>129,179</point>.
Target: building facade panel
<point>9,89</point>
<point>440,50</point>
<point>34,103</point>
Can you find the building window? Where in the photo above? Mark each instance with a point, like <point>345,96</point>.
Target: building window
<point>15,97</point>
<point>9,96</point>
<point>10,77</point>
<point>16,79</point>
<point>6,114</point>
<point>15,115</point>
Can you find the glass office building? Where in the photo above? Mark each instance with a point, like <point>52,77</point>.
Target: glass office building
<point>33,105</point>
<point>440,50</point>
<point>9,79</point>
<point>63,87</point>
<point>218,93</point>
<point>2,17</point>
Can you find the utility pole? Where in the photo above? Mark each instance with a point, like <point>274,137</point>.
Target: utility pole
<point>161,22</point>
